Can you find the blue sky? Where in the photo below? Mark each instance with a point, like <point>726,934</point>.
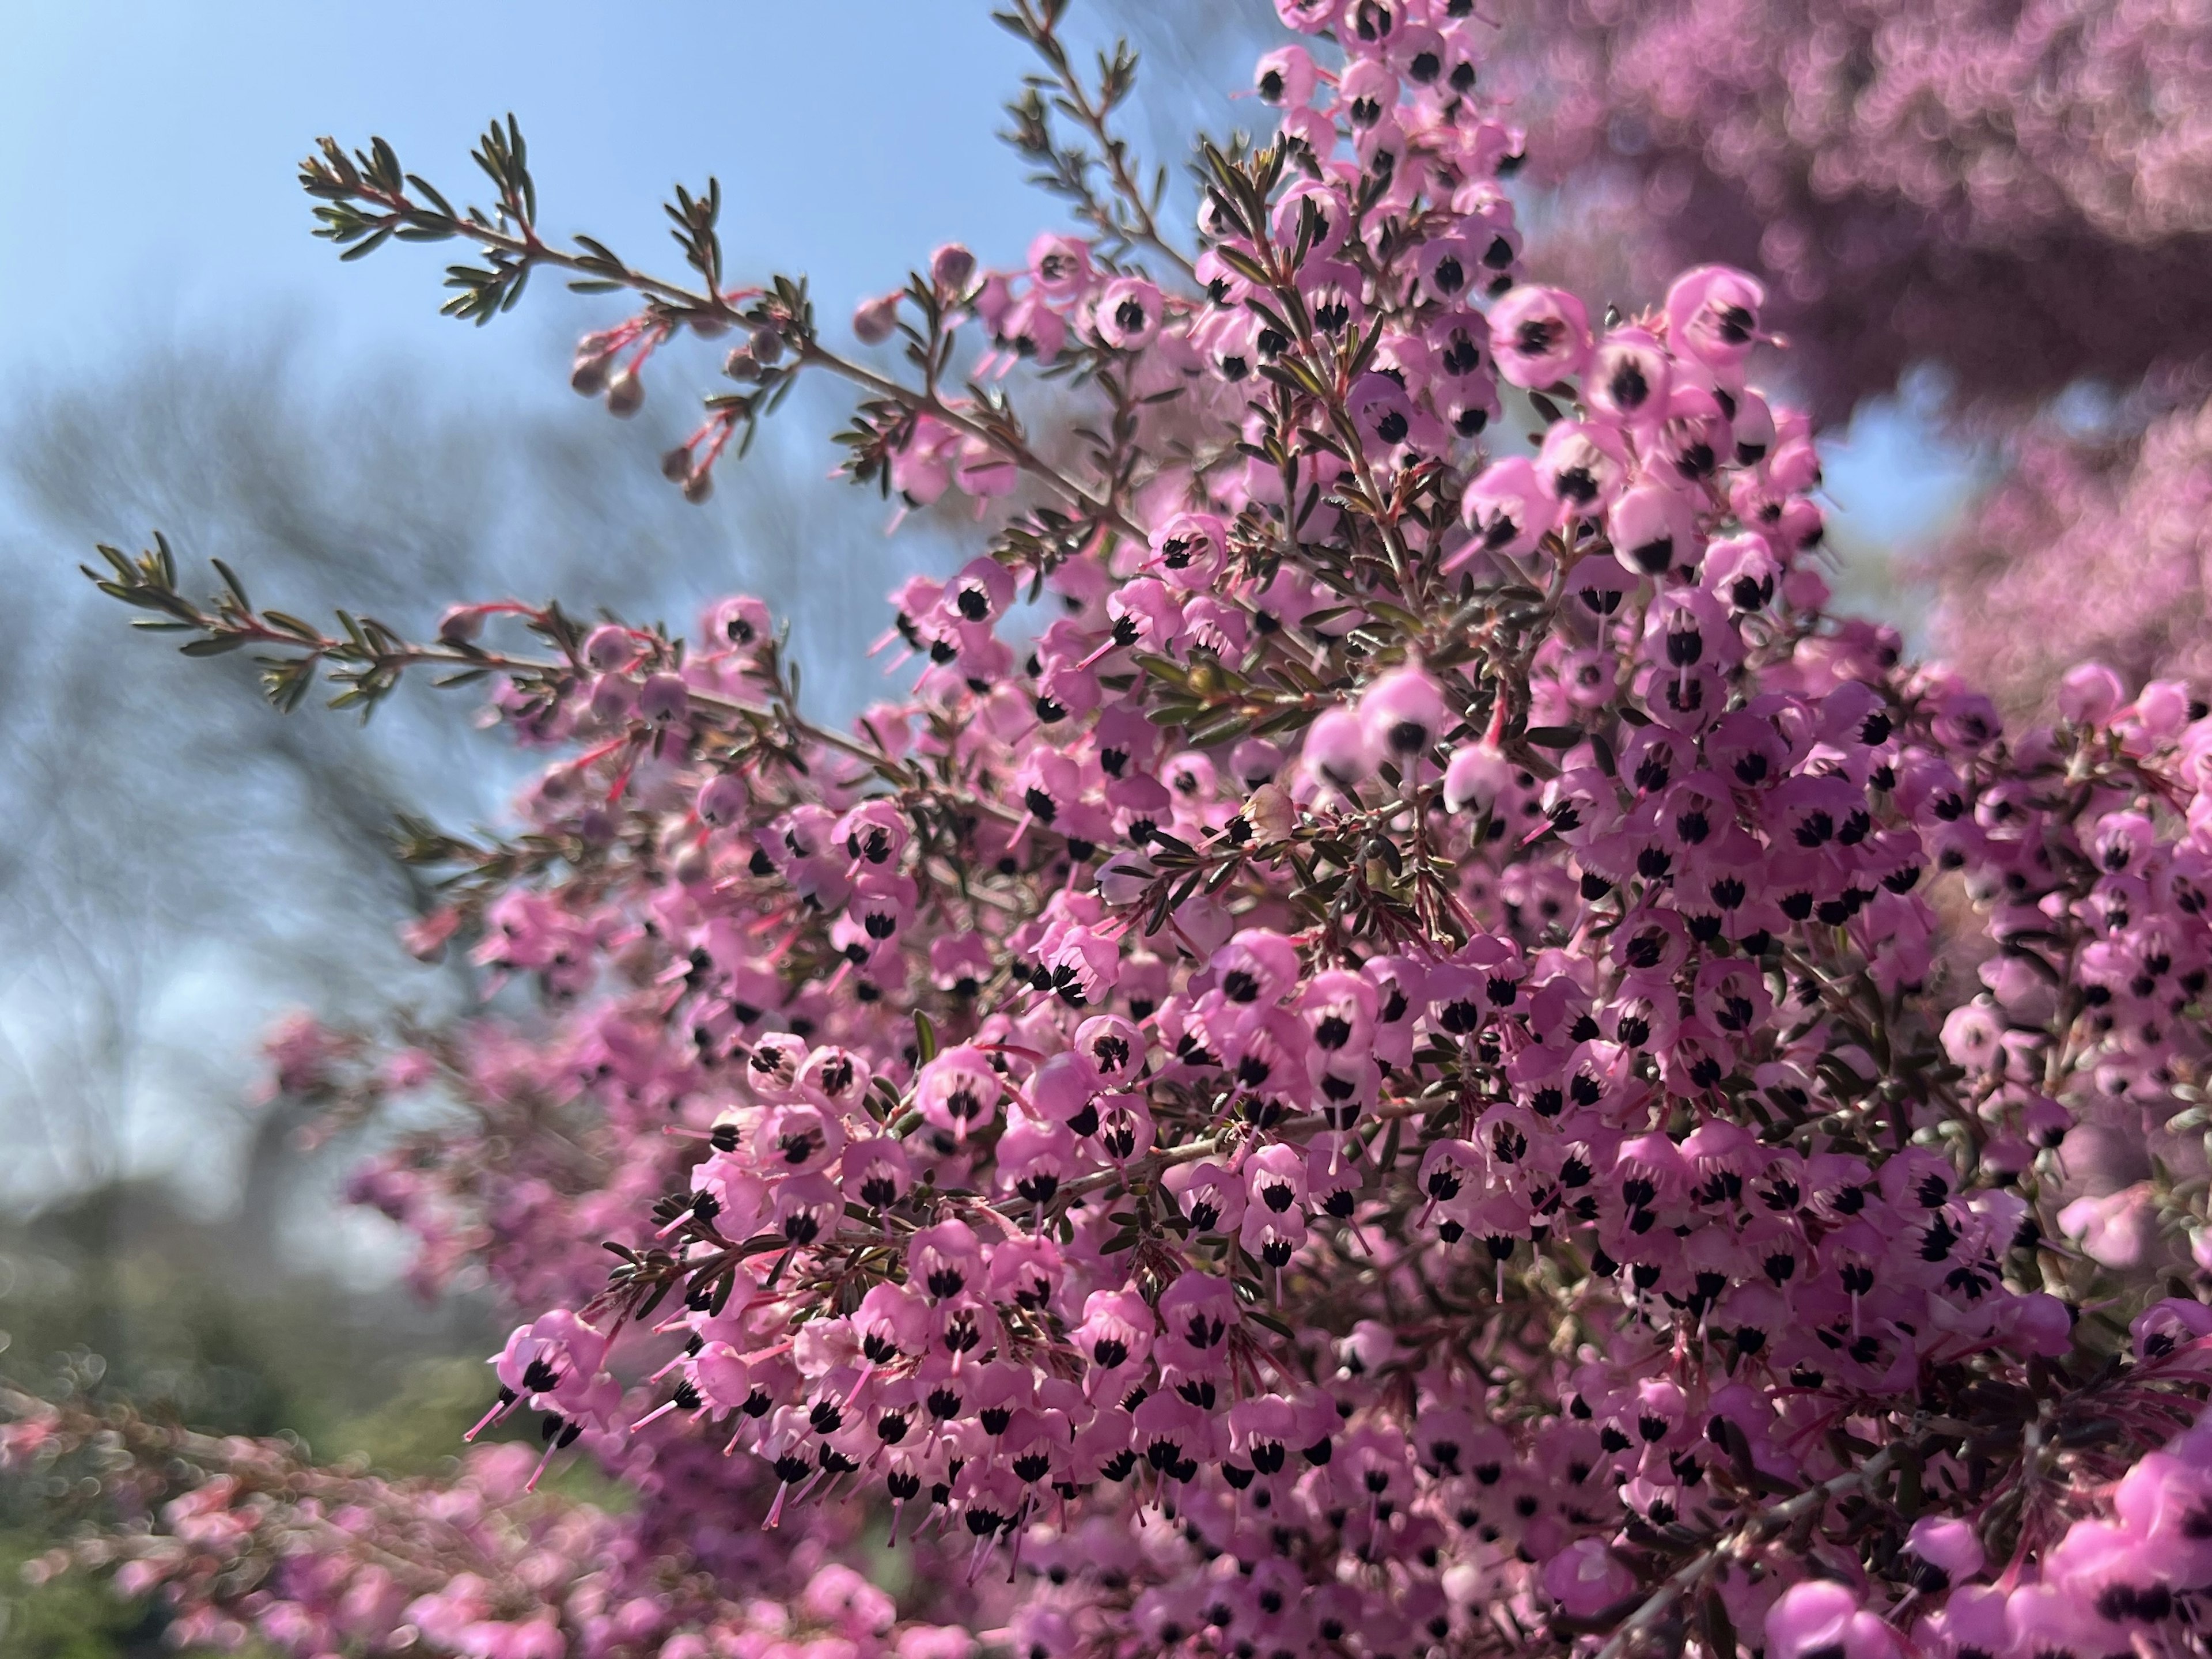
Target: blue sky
<point>147,153</point>
<point>147,150</point>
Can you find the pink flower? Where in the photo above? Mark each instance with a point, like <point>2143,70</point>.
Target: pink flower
<point>1403,714</point>
<point>958,1091</point>
<point>1583,1579</point>
<point>1813,1616</point>
<point>2119,1232</point>
<point>1339,750</point>
<point>1321,1074</point>
<point>1060,265</point>
<point>1540,336</point>
<point>1510,509</point>
<point>1128,314</point>
<point>1712,315</point>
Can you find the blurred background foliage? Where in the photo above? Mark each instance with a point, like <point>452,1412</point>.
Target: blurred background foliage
<point>181,865</point>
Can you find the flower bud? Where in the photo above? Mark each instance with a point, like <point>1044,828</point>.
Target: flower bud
<point>951,268</point>
<point>722,798</point>
<point>874,319</point>
<point>664,699</point>
<point>613,697</point>
<point>767,347</point>
<point>460,625</point>
<point>589,375</point>
<point>610,647</point>
<point>625,393</point>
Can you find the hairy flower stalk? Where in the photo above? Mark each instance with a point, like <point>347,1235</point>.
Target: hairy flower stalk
<point>1401,1045</point>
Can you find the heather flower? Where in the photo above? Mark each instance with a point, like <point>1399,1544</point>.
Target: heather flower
<point>1318,213</point>
<point>1509,508</point>
<point>1190,550</point>
<point>1712,315</point>
<point>1403,715</point>
<point>1630,379</point>
<point>957,1091</point>
<point>1339,750</point>
<point>1128,314</point>
<point>1652,529</point>
<point>1308,16</point>
<point>1582,467</point>
<point>1539,335</point>
<point>1286,76</point>
<point>1813,1616</point>
<point>2116,1231</point>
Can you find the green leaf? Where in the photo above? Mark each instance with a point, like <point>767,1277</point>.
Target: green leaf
<point>1553,737</point>
<point>230,580</point>
<point>362,250</point>
<point>283,621</point>
<point>426,188</point>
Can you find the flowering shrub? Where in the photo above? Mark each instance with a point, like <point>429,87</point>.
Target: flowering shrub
<point>1401,1045</point>
<point>2020,193</point>
<point>314,1560</point>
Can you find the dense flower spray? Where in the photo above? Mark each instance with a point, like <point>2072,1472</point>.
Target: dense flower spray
<point>1401,1045</point>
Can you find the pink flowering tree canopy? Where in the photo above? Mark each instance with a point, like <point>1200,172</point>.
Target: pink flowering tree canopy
<point>1397,1043</point>
<point>2017,191</point>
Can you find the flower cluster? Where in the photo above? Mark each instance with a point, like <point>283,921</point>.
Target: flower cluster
<point>1401,1045</point>
<point>249,1539</point>
<point>2088,549</point>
